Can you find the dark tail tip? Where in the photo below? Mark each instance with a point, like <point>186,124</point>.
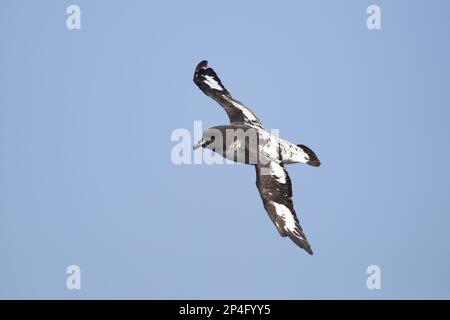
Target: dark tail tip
<point>315,163</point>
<point>313,160</point>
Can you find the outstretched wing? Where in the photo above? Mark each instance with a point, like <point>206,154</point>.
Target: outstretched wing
<point>208,81</point>
<point>275,188</point>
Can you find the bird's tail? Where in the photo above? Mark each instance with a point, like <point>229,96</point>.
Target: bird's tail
<point>313,160</point>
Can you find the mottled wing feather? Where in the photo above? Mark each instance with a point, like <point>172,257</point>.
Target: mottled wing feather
<point>275,188</point>
<point>208,81</point>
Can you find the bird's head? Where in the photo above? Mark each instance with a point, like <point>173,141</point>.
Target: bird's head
<point>211,138</point>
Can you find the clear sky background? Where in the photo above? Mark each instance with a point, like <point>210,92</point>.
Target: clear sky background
<point>86,175</point>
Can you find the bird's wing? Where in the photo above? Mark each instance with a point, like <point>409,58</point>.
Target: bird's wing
<point>275,188</point>
<point>208,81</point>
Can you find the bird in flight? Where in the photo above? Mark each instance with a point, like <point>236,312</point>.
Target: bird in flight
<point>246,141</point>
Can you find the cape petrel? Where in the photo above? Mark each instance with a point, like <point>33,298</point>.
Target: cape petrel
<point>246,141</point>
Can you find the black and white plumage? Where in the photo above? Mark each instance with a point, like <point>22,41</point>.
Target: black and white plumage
<point>269,154</point>
<point>208,81</point>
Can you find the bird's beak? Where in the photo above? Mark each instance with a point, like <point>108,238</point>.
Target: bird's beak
<point>198,145</point>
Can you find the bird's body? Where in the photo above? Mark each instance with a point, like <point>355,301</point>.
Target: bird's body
<point>245,140</point>
<point>268,146</point>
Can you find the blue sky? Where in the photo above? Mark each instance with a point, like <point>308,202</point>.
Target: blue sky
<point>86,176</point>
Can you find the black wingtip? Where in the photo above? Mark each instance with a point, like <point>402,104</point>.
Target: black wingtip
<point>201,67</point>
<point>305,246</point>
<point>202,64</point>
<point>300,241</point>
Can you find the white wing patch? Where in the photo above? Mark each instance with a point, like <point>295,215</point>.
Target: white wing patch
<point>286,214</point>
<point>212,83</point>
<point>277,171</point>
